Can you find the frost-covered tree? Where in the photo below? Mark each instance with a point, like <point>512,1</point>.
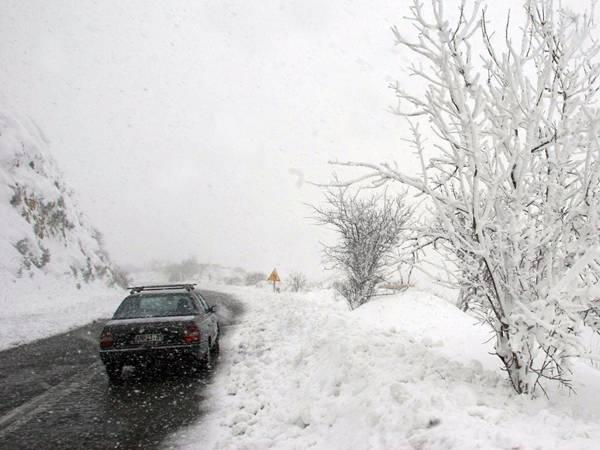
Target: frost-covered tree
<point>297,281</point>
<point>369,230</point>
<point>511,165</point>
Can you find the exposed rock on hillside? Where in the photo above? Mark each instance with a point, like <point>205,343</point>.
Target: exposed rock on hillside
<point>42,231</point>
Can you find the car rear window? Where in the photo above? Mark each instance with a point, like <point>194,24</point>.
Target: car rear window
<point>157,305</point>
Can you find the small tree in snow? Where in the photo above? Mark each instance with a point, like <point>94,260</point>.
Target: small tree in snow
<point>369,230</point>
<point>297,281</point>
<point>512,169</point>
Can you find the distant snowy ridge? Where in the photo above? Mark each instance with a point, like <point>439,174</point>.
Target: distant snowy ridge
<point>194,272</point>
<point>42,231</point>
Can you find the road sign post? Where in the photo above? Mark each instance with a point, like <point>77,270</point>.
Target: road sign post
<point>274,278</point>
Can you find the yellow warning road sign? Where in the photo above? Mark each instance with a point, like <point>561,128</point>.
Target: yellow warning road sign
<point>274,277</point>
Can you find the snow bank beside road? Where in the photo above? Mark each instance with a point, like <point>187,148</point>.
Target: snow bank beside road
<point>401,372</point>
<point>35,308</point>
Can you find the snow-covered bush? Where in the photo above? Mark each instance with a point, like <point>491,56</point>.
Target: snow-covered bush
<point>370,230</point>
<point>511,165</point>
<point>297,281</point>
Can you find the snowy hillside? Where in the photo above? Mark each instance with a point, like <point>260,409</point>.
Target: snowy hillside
<point>404,371</point>
<point>51,259</point>
<point>42,231</point>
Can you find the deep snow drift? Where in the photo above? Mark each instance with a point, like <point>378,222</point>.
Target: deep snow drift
<point>404,371</point>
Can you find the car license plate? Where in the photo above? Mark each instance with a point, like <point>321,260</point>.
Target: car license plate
<point>148,338</point>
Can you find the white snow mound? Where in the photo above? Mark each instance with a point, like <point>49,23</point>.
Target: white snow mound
<point>404,371</point>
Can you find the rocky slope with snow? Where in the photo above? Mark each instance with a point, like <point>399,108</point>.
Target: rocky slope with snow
<point>42,231</point>
<point>54,272</point>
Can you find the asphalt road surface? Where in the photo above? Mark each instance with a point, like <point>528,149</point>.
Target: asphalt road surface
<point>54,394</point>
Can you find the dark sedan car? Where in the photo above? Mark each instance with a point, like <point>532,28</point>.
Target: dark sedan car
<point>159,324</point>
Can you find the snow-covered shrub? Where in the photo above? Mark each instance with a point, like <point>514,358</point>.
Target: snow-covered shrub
<point>370,230</point>
<point>33,254</point>
<point>511,165</point>
<point>297,281</point>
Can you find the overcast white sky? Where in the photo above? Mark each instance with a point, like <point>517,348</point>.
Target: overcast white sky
<point>188,127</point>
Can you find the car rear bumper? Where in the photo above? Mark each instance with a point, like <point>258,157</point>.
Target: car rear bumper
<point>165,354</point>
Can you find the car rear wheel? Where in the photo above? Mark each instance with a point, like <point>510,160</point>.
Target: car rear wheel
<point>216,347</point>
<point>114,372</point>
<point>198,367</point>
<point>210,354</point>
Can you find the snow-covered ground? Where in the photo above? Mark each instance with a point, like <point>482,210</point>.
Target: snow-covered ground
<point>35,308</point>
<point>404,371</point>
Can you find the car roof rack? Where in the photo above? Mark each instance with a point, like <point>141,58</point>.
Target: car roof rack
<point>161,287</point>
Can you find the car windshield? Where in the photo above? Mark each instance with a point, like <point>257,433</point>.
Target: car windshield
<point>157,305</point>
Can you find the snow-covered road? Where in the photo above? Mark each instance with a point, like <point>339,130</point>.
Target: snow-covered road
<point>54,394</point>
<point>405,371</point>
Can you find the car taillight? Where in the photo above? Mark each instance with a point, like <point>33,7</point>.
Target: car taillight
<point>191,333</point>
<point>106,339</point>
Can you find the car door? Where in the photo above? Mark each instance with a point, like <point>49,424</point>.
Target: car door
<point>212,318</point>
